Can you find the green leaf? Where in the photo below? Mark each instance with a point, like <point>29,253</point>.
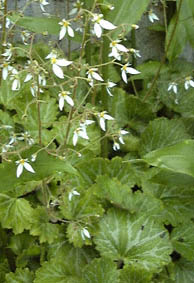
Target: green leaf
<point>139,241</point>
<point>183,240</point>
<point>15,213</point>
<point>161,133</point>
<point>20,276</point>
<point>127,12</point>
<point>184,271</point>
<point>178,42</point>
<point>178,158</point>
<point>133,275</point>
<point>41,227</point>
<point>38,25</point>
<point>101,270</point>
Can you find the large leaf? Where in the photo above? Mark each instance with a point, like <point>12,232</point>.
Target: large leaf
<point>101,270</point>
<point>183,240</point>
<point>20,276</point>
<point>178,158</point>
<point>139,241</point>
<point>15,213</point>
<point>184,271</point>
<point>134,275</point>
<point>37,25</point>
<point>161,133</point>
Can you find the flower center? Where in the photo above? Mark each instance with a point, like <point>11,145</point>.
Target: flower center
<point>22,161</point>
<point>65,24</point>
<point>53,60</point>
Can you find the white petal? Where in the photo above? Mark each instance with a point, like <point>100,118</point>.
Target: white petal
<point>121,140</point>
<point>175,89</point>
<point>97,30</point>
<point>121,48</point>
<point>86,233</point>
<point>28,78</point>
<point>132,71</point>
<point>116,146</point>
<point>108,117</point>
<point>108,90</point>
<point>75,138</point>
<point>61,103</point>
<point>97,77</point>
<point>70,31</point>
<point>186,85</point>
<point>63,62</point>
<point>102,124</point>
<point>111,84</point>
<point>28,167</point>
<point>123,132</point>
<point>69,100</point>
<point>62,33</point>
<point>107,25</point>
<point>124,76</point>
<point>83,134</point>
<point>58,71</point>
<point>170,87</point>
<point>5,73</point>
<point>19,170</point>
<point>191,83</point>
<point>15,85</point>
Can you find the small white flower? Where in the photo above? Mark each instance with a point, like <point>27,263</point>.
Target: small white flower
<point>77,6</point>
<point>33,157</point>
<point>42,4</point>
<point>73,193</point>
<point>63,96</point>
<point>93,75</point>
<point>25,35</point>
<point>65,28</point>
<point>152,17</point>
<point>116,146</point>
<point>6,147</point>
<point>34,89</point>
<point>79,132</point>
<point>27,138</point>
<point>6,69</point>
<point>133,26</point>
<point>121,134</point>
<point>100,24</point>
<point>16,80</point>
<point>135,52</point>
<point>23,163</point>
<point>57,63</point>
<point>13,139</point>
<point>28,78</point>
<point>109,86</point>
<point>8,52</point>
<point>86,123</point>
<point>103,116</point>
<point>173,86</point>
<point>189,82</point>
<point>128,70</point>
<point>85,234</point>
<point>116,49</point>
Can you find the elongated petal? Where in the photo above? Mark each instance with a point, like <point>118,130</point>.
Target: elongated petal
<point>102,124</point>
<point>86,233</point>
<point>15,85</point>
<point>70,31</point>
<point>191,83</point>
<point>122,48</point>
<point>83,135</point>
<point>107,25</point>
<point>109,92</point>
<point>5,73</point>
<point>175,89</point>
<point>69,100</point>
<point>62,33</point>
<point>186,85</point>
<point>97,77</point>
<point>28,167</point>
<point>63,62</point>
<point>132,71</point>
<point>108,117</point>
<point>75,138</point>
<point>97,30</point>
<point>28,78</point>
<point>124,76</point>
<point>58,71</point>
<point>19,170</point>
<point>121,140</point>
<point>61,103</point>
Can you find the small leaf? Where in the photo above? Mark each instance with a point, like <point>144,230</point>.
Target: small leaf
<point>20,276</point>
<point>184,271</point>
<point>134,275</point>
<point>15,213</point>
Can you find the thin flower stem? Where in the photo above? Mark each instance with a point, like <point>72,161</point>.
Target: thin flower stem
<point>68,40</point>
<point>166,52</point>
<point>38,112</point>
<point>4,33</point>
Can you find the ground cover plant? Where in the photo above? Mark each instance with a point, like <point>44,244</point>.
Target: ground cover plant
<point>97,168</point>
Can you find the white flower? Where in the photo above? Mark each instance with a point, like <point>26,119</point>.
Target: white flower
<point>86,123</point>
<point>128,70</point>
<point>65,28</point>
<point>189,82</point>
<point>23,163</point>
<point>152,17</point>
<point>57,63</point>
<point>16,80</point>
<point>77,6</point>
<point>103,116</point>
<point>109,86</point>
<point>6,147</point>
<point>85,234</point>
<point>135,52</point>
<point>6,69</point>
<point>25,35</point>
<point>116,146</point>
<point>92,74</point>
<point>79,132</point>
<point>34,89</point>
<point>73,193</point>
<point>133,26</point>
<point>42,4</point>
<point>63,96</point>
<point>173,86</point>
<point>27,138</point>
<point>116,48</point>
<point>33,157</point>
<point>100,24</point>
<point>8,52</point>
<point>121,134</point>
<point>13,138</point>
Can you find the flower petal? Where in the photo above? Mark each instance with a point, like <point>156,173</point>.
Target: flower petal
<point>69,100</point>
<point>97,30</point>
<point>108,117</point>
<point>63,62</point>
<point>97,77</point>
<point>58,71</point>
<point>19,170</point>
<point>62,33</point>
<point>75,138</point>
<point>132,71</point>
<point>102,124</point>
<point>124,76</point>
<point>70,31</point>
<point>121,48</point>
<point>61,103</point>
<point>107,25</point>
<point>28,167</point>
